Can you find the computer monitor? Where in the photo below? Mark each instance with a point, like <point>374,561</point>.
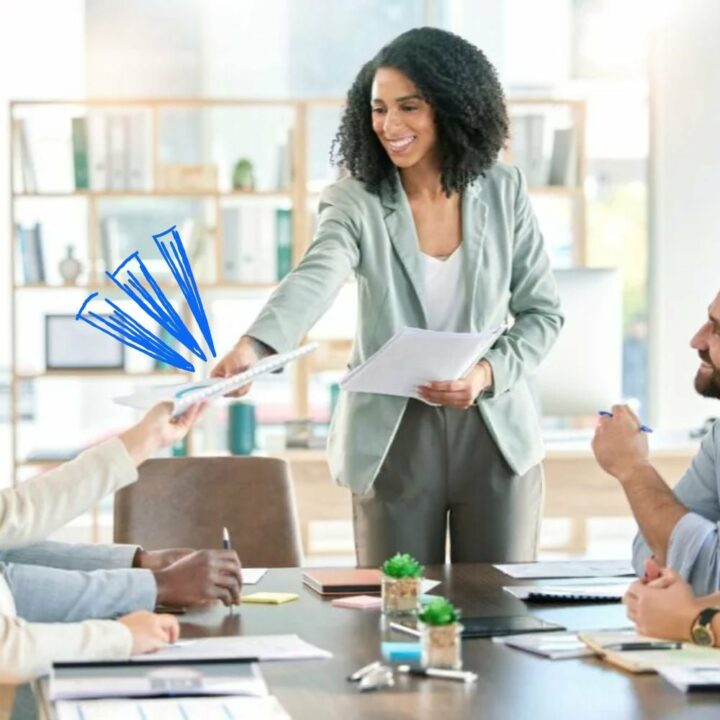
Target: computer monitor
<point>583,372</point>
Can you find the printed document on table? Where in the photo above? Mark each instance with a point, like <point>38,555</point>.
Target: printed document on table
<point>553,645</point>
<point>568,569</point>
<point>187,708</point>
<point>260,647</point>
<point>414,356</point>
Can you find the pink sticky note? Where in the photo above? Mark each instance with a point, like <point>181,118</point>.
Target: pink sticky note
<point>359,602</point>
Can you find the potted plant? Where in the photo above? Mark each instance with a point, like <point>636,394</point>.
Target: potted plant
<point>440,638</point>
<point>401,581</point>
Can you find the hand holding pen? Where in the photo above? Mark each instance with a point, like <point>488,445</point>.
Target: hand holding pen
<point>228,546</point>
<point>608,414</point>
<point>620,444</point>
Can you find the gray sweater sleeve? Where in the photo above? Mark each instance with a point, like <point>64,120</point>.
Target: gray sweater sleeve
<point>72,556</point>
<point>46,594</point>
<point>694,546</point>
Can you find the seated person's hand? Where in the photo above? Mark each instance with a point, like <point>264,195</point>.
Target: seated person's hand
<point>159,559</point>
<point>150,632</point>
<point>619,446</point>
<point>158,429</point>
<point>460,393</point>
<point>652,569</point>
<point>664,607</point>
<point>199,578</point>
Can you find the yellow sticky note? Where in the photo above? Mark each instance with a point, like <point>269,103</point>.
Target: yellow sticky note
<point>270,598</point>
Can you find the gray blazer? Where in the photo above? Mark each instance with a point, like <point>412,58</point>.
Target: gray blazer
<point>59,582</point>
<point>507,273</point>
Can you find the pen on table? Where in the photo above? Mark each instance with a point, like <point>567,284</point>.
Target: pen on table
<point>606,413</point>
<point>363,671</point>
<point>649,645</point>
<point>405,629</point>
<point>226,546</point>
<point>459,675</point>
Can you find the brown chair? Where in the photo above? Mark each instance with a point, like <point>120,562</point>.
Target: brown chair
<point>185,502</point>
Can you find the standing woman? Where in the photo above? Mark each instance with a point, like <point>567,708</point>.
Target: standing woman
<point>441,236</point>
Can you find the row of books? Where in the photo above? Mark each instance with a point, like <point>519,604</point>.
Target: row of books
<point>111,151</point>
<point>257,243</point>
<point>529,152</point>
<point>31,261</point>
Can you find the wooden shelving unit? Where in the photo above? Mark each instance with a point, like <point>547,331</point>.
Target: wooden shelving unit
<point>332,353</point>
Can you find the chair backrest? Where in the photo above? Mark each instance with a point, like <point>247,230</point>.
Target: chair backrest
<point>185,502</point>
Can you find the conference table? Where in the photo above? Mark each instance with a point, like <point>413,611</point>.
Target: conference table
<point>511,683</point>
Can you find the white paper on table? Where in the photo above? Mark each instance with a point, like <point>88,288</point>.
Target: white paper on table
<point>568,569</point>
<point>261,647</point>
<point>414,356</point>
<point>427,585</point>
<point>552,645</point>
<point>699,677</point>
<point>252,576</point>
<point>188,708</point>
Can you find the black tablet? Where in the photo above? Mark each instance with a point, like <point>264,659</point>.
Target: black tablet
<point>484,627</point>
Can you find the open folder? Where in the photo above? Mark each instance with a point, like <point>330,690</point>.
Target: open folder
<point>414,356</point>
<point>185,395</point>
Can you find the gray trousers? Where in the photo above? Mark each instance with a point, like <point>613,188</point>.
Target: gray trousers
<point>443,471</point>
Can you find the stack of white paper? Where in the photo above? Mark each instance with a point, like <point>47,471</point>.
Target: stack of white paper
<point>414,356</point>
<point>568,569</point>
<point>553,645</point>
<point>188,708</point>
<point>260,647</point>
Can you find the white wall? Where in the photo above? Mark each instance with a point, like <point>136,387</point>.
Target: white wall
<point>42,55</point>
<point>685,192</point>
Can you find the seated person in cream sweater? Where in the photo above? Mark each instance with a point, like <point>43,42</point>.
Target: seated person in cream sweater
<point>40,506</point>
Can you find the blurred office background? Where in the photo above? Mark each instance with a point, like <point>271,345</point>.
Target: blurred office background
<point>638,198</point>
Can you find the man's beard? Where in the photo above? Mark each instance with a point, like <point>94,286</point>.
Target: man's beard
<point>708,385</point>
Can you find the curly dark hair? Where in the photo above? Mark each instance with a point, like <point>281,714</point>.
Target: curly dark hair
<point>461,86</point>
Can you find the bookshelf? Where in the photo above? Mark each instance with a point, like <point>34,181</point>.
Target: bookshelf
<point>222,131</point>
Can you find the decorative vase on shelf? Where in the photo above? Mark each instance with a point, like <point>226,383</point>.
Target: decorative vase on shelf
<point>243,175</point>
<point>70,267</point>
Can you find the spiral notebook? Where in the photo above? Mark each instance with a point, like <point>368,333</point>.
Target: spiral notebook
<point>575,592</point>
<point>185,395</point>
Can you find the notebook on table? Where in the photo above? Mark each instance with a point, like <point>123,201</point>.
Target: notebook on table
<point>352,581</point>
<point>343,581</point>
<point>570,592</point>
<point>608,645</point>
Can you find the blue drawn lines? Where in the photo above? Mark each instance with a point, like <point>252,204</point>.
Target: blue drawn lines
<point>134,279</point>
<point>182,272</point>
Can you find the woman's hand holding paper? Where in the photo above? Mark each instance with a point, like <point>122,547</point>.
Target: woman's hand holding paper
<point>462,393</point>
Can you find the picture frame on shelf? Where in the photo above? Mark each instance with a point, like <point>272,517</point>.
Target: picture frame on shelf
<point>73,345</point>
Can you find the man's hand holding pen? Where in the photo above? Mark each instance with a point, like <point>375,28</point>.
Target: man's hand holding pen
<point>199,578</point>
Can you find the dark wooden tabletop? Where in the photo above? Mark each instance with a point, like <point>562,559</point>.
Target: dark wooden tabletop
<point>511,684</point>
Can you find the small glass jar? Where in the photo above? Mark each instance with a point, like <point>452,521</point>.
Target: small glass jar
<point>400,596</point>
<point>441,645</point>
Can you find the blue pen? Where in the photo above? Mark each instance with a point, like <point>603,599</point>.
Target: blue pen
<point>643,428</point>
